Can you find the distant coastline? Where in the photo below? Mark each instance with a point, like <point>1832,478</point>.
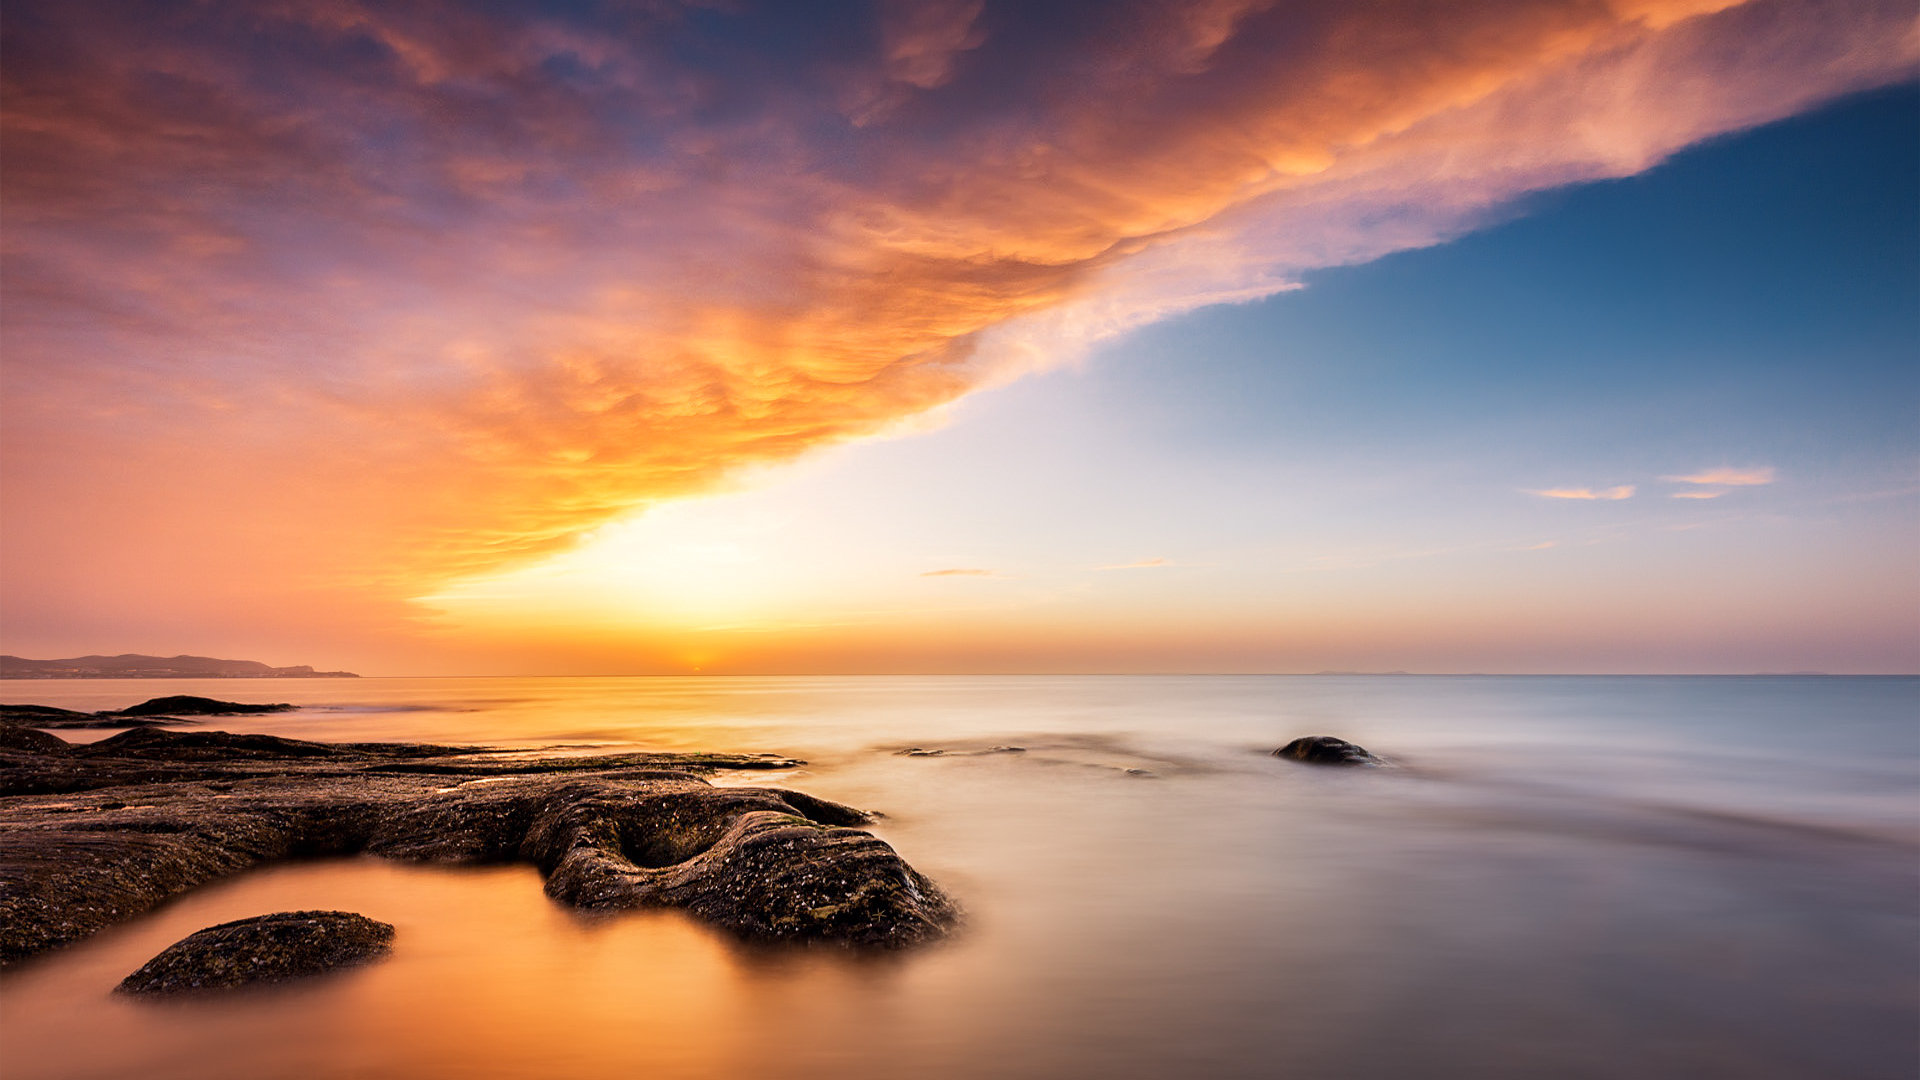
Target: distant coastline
<point>138,666</point>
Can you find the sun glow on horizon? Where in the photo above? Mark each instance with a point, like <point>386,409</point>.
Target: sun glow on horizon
<point>422,325</point>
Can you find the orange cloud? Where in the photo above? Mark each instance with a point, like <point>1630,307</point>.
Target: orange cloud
<point>338,301</point>
<point>1725,477</point>
<point>959,572</point>
<point>1624,491</point>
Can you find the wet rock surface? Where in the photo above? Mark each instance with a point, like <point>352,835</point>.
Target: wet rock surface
<point>94,834</point>
<point>276,948</point>
<point>1326,750</point>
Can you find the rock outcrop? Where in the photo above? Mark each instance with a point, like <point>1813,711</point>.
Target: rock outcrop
<point>94,834</point>
<point>48,717</point>
<point>188,705</point>
<point>1326,750</point>
<point>15,737</point>
<point>150,713</point>
<point>276,948</point>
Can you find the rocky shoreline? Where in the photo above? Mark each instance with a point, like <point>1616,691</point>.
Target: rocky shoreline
<point>94,834</point>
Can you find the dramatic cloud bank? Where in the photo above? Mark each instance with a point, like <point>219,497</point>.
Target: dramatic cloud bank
<point>318,298</point>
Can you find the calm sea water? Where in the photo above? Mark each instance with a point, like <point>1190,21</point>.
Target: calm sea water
<point>1564,877</point>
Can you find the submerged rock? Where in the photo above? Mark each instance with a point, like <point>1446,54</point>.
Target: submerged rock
<point>91,835</point>
<point>274,948</point>
<point>1326,750</point>
<point>921,751</point>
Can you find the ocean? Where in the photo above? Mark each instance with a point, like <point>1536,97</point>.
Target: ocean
<point>1557,877</point>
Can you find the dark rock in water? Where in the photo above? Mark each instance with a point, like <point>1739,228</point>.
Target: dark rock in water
<point>154,743</point>
<point>264,949</point>
<point>46,716</point>
<point>24,713</point>
<point>151,713</point>
<point>188,705</point>
<point>15,737</point>
<point>108,720</point>
<point>1326,750</point>
<point>91,835</point>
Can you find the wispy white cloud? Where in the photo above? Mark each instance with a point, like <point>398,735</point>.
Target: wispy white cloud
<point>1726,476</point>
<point>959,571</point>
<point>1140,564</point>
<point>1612,494</point>
<point>1709,493</point>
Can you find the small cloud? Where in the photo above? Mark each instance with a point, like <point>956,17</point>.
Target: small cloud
<point>1726,476</point>
<point>1541,546</point>
<point>1624,491</point>
<point>1142,564</point>
<point>1711,493</point>
<point>959,571</point>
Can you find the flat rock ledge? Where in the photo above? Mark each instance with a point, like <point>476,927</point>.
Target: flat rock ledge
<point>94,834</point>
<point>1326,750</point>
<point>277,948</point>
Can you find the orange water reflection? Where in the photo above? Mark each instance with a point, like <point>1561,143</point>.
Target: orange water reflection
<point>1566,877</point>
<point>487,977</point>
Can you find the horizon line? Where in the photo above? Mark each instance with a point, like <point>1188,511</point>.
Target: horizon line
<point>1019,674</point>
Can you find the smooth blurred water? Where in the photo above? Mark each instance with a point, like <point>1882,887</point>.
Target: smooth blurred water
<point>1570,877</point>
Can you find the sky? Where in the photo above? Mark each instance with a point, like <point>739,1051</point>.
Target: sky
<point>957,336</point>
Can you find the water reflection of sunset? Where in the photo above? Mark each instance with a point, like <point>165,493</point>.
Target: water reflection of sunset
<point>1147,891</point>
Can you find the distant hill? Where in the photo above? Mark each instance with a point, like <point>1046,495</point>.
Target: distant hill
<point>136,666</point>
